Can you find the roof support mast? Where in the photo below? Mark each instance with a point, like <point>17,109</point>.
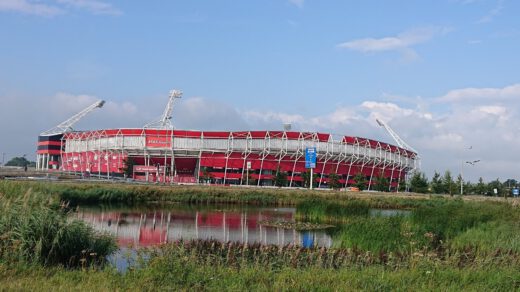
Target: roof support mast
<point>165,121</point>
<point>66,126</point>
<point>401,143</point>
<point>396,137</point>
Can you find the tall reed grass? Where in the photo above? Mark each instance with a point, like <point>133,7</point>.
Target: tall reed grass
<point>34,229</point>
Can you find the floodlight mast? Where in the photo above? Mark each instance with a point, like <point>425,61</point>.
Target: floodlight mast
<point>67,125</point>
<point>396,137</point>
<point>165,121</point>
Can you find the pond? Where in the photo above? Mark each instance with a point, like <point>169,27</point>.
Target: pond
<point>147,227</point>
<point>136,227</point>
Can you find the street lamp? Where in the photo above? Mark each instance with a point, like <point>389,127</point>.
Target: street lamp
<point>472,163</point>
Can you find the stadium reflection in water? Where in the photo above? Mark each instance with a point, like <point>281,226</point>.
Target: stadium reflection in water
<point>134,228</point>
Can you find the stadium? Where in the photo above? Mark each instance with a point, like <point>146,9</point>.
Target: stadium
<point>159,153</point>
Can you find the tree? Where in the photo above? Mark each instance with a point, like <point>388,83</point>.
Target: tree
<point>280,179</point>
<point>382,184</point>
<point>128,168</point>
<point>480,188</point>
<point>360,181</point>
<point>469,188</point>
<point>448,184</point>
<point>21,162</point>
<point>419,183</point>
<point>206,175</point>
<point>436,184</point>
<point>306,176</point>
<point>334,181</point>
<point>496,184</point>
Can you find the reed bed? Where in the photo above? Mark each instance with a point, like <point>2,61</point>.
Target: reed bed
<point>212,253</point>
<point>34,229</point>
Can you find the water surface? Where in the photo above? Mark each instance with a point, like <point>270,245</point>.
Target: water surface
<point>136,227</point>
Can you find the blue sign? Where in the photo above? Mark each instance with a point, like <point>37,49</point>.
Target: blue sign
<point>516,192</point>
<point>310,157</point>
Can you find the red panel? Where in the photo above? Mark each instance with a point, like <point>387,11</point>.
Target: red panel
<point>367,170</point>
<point>286,166</point>
<point>343,168</point>
<point>187,134</point>
<point>307,136</point>
<point>235,163</point>
<point>276,134</point>
<point>51,152</point>
<point>300,167</point>
<point>216,134</point>
<point>349,140</point>
<point>258,134</point>
<point>217,174</point>
<point>239,134</point>
<point>234,175</point>
<point>157,132</point>
<point>322,137</point>
<point>185,165</point>
<point>49,143</point>
<point>362,141</point>
<point>112,132</point>
<point>293,135</point>
<point>330,168</point>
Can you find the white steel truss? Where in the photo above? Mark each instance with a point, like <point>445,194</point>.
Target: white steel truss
<point>165,121</point>
<point>67,125</point>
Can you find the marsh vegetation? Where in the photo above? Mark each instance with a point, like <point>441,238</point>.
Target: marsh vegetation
<point>438,243</point>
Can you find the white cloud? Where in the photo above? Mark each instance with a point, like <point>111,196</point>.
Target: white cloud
<point>298,3</point>
<point>472,94</point>
<point>403,42</point>
<point>28,7</point>
<point>41,8</point>
<point>93,6</point>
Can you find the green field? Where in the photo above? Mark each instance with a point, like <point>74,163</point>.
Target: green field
<point>442,243</point>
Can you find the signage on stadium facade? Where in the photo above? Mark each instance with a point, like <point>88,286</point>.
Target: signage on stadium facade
<point>158,142</point>
<point>144,168</point>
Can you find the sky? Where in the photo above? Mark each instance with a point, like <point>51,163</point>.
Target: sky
<point>443,74</point>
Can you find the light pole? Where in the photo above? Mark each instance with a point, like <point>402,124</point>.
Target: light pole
<point>462,170</point>
<point>461,175</point>
<point>3,158</point>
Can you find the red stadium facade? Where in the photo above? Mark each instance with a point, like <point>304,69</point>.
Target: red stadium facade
<point>254,157</point>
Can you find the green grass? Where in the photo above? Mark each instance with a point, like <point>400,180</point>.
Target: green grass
<point>444,244</point>
<point>322,210</point>
<point>34,229</point>
<point>377,234</point>
<point>184,269</point>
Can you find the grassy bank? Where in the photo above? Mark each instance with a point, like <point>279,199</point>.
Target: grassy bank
<point>217,267</point>
<point>96,193</point>
<point>441,244</point>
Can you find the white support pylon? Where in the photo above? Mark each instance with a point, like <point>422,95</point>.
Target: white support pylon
<point>66,126</point>
<point>396,137</point>
<point>165,121</point>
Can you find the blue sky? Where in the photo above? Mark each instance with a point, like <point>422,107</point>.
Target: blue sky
<point>443,73</point>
